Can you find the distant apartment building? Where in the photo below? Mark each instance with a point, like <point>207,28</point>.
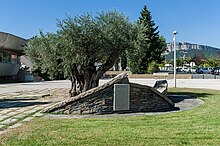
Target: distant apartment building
<point>10,52</point>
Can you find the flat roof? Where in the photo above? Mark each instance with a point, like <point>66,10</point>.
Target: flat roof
<point>12,43</point>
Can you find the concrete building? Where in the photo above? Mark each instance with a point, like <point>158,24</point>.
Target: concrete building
<point>10,52</point>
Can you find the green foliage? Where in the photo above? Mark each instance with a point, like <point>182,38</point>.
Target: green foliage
<point>45,54</point>
<point>179,62</point>
<point>212,62</point>
<point>199,59</point>
<point>149,45</point>
<point>79,43</point>
<point>153,67</point>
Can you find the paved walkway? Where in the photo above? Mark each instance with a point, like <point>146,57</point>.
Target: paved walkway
<point>19,107</point>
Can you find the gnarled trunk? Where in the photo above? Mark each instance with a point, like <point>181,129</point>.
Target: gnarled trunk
<point>87,78</point>
<point>79,86</point>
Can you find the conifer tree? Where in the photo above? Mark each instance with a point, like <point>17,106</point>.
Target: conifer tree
<point>149,44</point>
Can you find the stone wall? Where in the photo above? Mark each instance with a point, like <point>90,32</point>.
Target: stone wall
<point>147,99</point>
<point>97,100</point>
<point>100,99</point>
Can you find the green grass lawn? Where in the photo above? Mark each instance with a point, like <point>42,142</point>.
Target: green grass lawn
<point>199,126</point>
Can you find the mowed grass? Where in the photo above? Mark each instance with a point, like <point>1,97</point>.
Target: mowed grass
<point>199,126</point>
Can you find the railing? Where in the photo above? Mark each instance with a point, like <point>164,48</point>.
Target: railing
<point>165,75</point>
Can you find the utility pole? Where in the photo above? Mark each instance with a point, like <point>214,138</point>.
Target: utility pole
<point>174,57</point>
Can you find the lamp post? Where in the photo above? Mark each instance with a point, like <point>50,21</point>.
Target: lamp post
<point>174,57</point>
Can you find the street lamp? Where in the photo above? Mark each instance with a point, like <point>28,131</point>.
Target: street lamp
<point>174,57</point>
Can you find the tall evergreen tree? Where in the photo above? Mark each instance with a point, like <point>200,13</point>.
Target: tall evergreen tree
<point>149,45</point>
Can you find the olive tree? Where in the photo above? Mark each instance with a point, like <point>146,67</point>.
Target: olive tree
<point>79,44</point>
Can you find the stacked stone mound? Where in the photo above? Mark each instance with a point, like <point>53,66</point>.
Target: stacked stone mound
<point>99,100</point>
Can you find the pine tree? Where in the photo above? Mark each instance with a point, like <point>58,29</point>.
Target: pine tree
<point>149,45</point>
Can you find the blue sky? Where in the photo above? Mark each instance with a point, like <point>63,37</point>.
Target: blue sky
<point>197,21</point>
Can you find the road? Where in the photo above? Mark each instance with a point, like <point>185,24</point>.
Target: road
<point>181,83</point>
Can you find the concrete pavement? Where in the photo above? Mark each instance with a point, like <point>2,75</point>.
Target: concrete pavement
<point>184,83</point>
<point>18,87</point>
<point>180,83</point>
<point>45,86</point>
<point>24,105</point>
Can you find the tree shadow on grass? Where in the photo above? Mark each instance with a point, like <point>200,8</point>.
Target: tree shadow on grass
<point>180,96</point>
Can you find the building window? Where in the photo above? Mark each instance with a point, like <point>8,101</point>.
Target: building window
<point>14,59</point>
<point>6,57</point>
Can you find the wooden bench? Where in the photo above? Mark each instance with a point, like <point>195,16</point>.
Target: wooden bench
<point>163,74</point>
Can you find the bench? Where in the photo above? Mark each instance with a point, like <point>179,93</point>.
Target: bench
<point>161,86</point>
<point>163,74</point>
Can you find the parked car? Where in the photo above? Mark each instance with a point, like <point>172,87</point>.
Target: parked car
<point>185,69</point>
<point>216,71</point>
<point>203,70</point>
<point>192,70</point>
<point>179,69</point>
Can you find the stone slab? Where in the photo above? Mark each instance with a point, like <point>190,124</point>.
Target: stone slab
<point>8,121</point>
<point>30,111</point>
<point>14,108</point>
<point>15,125</point>
<point>2,126</point>
<point>38,115</point>
<point>20,116</point>
<point>28,119</point>
<point>38,108</point>
<point>121,97</point>
<point>45,105</point>
<point>21,110</point>
<point>5,111</point>
<point>3,117</point>
<point>12,113</point>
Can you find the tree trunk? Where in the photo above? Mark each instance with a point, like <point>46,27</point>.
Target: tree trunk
<point>87,78</point>
<point>76,82</point>
<point>76,87</point>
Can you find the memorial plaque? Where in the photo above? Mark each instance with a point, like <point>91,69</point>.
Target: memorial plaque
<point>121,97</point>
